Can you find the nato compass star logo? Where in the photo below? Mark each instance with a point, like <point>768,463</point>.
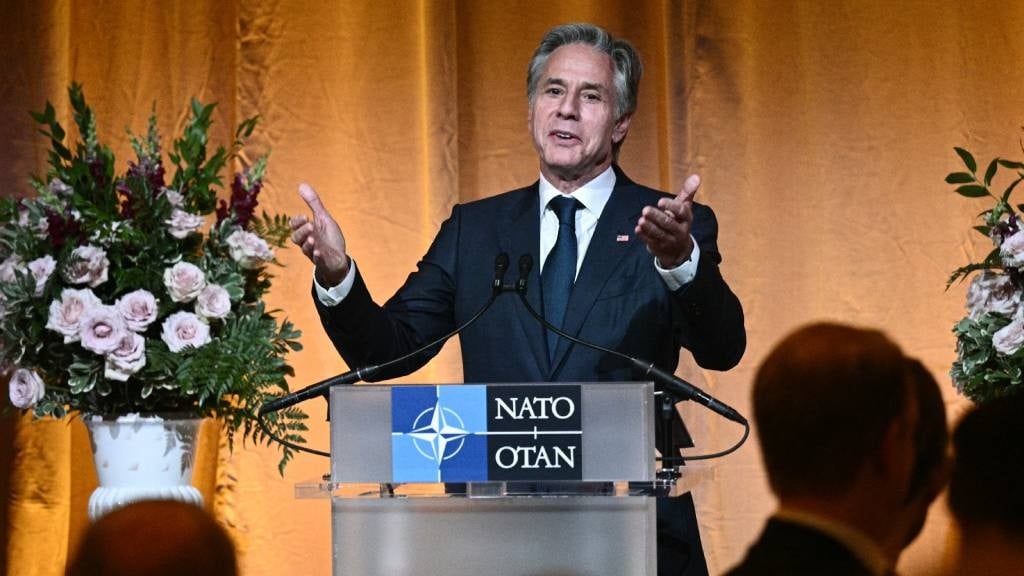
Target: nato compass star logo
<point>439,433</point>
<point>442,436</point>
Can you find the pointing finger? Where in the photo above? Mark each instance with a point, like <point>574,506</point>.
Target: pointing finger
<point>311,198</point>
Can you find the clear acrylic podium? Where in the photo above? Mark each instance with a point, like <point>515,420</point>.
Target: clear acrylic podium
<point>601,522</point>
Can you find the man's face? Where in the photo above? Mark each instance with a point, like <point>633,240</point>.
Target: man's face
<point>572,118</point>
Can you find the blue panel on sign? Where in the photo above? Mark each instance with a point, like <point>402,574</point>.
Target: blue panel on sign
<point>439,433</point>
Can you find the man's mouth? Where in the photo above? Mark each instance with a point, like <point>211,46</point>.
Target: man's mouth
<point>562,135</point>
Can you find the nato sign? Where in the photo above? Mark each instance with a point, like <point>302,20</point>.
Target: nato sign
<point>475,433</point>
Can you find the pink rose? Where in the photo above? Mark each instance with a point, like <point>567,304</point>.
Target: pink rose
<point>213,302</point>
<point>183,329</point>
<point>992,292</point>
<point>88,265</point>
<point>248,249</point>
<point>138,309</point>
<point>9,266</point>
<point>66,313</point>
<point>184,281</point>
<point>26,388</point>
<point>181,223</point>
<point>128,358</point>
<point>42,269</point>
<point>1009,338</point>
<point>102,329</point>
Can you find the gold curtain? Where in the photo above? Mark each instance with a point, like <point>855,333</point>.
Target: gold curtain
<point>823,131</point>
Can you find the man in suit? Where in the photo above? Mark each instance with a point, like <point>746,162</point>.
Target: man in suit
<point>854,442</point>
<point>618,264</point>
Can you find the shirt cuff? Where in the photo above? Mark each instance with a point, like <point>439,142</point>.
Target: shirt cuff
<point>683,274</point>
<point>334,295</point>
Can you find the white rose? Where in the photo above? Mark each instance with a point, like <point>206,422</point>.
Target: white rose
<point>57,187</point>
<point>1009,338</point>
<point>102,329</point>
<point>183,329</point>
<point>213,302</point>
<point>248,249</point>
<point>181,223</point>
<point>991,292</point>
<point>88,265</point>
<point>42,269</point>
<point>174,197</point>
<point>128,358</point>
<point>9,266</point>
<point>184,281</point>
<point>138,309</point>
<point>26,388</point>
<point>66,313</point>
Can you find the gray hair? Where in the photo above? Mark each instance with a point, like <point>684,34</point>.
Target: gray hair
<point>625,58</point>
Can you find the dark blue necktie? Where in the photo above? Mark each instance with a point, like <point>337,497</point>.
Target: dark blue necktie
<point>560,267</point>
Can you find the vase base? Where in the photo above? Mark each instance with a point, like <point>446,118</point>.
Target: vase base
<point>109,498</point>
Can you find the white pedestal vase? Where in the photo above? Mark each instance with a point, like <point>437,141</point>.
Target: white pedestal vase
<point>141,458</point>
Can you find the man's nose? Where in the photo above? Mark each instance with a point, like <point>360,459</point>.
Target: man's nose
<point>568,107</point>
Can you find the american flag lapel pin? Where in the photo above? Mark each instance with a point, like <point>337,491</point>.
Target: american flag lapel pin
<point>622,238</point>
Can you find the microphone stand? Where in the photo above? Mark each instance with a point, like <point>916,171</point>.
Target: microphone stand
<point>672,387</point>
<point>323,387</point>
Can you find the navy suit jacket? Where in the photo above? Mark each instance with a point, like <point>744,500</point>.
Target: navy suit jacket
<point>618,301</point>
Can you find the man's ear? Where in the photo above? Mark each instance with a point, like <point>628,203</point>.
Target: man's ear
<point>621,128</point>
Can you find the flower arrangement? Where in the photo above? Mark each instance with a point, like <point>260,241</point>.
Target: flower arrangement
<point>118,296</point>
<point>990,339</point>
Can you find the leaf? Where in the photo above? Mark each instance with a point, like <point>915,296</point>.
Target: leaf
<point>985,231</point>
<point>972,191</point>
<point>968,159</point>
<point>991,171</point>
<point>1013,165</point>
<point>959,178</point>
<point>1009,189</point>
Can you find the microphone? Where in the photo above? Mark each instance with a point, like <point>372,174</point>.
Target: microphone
<point>367,372</point>
<point>668,381</point>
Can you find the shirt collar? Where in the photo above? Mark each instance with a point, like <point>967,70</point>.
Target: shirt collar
<point>593,195</point>
<point>859,544</point>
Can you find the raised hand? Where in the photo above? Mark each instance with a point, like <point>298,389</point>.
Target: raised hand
<point>320,239</point>
<point>665,229</point>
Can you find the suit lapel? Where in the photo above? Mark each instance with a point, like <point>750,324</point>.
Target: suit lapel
<point>522,236</point>
<point>613,239</point>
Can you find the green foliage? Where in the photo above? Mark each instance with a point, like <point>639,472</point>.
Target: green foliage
<point>990,340</point>
<point>96,237</point>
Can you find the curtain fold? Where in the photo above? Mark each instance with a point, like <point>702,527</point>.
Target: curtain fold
<point>823,132</point>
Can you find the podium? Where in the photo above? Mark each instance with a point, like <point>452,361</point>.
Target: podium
<point>500,479</point>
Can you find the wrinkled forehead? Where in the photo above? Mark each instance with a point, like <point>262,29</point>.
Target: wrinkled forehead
<point>576,64</point>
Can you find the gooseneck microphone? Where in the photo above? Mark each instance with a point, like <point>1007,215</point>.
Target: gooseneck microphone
<point>367,372</point>
<point>670,382</point>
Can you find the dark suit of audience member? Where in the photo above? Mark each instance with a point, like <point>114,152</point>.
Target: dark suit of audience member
<point>647,281</point>
<point>854,443</point>
<point>984,489</point>
<point>155,538</point>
